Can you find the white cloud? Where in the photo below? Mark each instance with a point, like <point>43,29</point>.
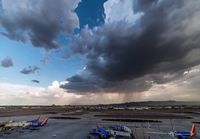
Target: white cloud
<point>14,94</point>
<point>185,89</point>
<point>120,10</point>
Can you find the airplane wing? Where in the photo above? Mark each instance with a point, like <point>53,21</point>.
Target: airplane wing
<point>158,133</point>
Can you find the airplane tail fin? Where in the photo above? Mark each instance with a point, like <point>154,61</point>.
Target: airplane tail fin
<point>38,119</point>
<point>45,122</point>
<point>193,131</point>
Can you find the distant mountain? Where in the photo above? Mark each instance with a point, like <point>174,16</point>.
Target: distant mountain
<point>158,103</point>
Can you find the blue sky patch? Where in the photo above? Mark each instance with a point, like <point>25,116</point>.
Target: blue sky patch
<point>91,13</point>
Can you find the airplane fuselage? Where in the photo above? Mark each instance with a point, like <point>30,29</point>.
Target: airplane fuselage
<point>182,135</point>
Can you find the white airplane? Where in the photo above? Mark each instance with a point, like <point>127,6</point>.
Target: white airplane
<point>180,134</point>
<point>21,123</point>
<point>120,131</point>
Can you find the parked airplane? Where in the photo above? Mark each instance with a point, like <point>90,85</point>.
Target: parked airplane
<point>184,134</point>
<point>21,123</point>
<point>113,132</point>
<point>180,134</point>
<point>101,132</point>
<point>31,123</point>
<point>120,131</point>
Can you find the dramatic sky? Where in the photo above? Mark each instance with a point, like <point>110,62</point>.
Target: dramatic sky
<point>99,51</point>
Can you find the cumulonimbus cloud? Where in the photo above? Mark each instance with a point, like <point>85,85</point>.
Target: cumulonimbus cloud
<point>129,56</point>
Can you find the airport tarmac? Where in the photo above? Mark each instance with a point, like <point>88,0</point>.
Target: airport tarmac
<point>79,128</point>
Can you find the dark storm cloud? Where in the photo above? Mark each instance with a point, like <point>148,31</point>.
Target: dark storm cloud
<point>30,70</point>
<point>125,57</point>
<point>35,81</point>
<point>7,62</point>
<point>143,5</point>
<point>38,22</point>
